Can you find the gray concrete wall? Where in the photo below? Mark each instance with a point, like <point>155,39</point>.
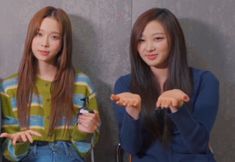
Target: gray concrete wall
<point>101,35</point>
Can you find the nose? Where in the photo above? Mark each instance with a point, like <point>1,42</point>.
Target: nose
<point>45,41</point>
<point>150,46</point>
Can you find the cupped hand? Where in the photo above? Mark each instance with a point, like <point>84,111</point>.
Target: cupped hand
<point>131,101</point>
<point>172,99</point>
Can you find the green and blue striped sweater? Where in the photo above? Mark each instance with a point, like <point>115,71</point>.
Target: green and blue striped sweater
<point>39,116</point>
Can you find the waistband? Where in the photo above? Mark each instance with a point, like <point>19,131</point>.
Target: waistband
<point>44,143</point>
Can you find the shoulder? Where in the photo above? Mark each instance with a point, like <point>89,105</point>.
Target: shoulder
<point>204,76</point>
<point>122,83</point>
<point>205,81</point>
<point>9,82</point>
<point>124,78</point>
<point>81,79</point>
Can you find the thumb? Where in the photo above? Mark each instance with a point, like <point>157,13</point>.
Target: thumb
<point>114,97</point>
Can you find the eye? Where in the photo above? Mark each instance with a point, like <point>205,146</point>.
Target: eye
<point>55,37</point>
<point>39,34</point>
<point>141,40</point>
<point>159,38</point>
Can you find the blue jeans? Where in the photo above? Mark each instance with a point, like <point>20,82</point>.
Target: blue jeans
<point>52,152</point>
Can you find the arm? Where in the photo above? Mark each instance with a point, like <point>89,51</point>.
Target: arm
<point>10,125</point>
<point>129,126</point>
<point>85,134</point>
<point>195,127</point>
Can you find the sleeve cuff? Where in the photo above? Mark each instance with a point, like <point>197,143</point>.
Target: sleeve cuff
<point>130,126</point>
<point>183,120</point>
<point>17,152</point>
<point>78,135</point>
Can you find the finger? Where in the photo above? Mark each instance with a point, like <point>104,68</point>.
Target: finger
<point>121,102</point>
<point>82,128</point>
<point>97,118</point>
<point>158,103</point>
<point>174,102</point>
<point>23,137</point>
<point>134,103</point>
<point>89,123</point>
<point>6,135</point>
<point>124,102</point>
<point>159,106</point>
<point>97,115</point>
<point>34,133</point>
<point>186,98</point>
<point>29,137</point>
<point>163,103</point>
<point>167,103</point>
<point>87,117</point>
<point>82,120</point>
<point>85,129</point>
<point>15,139</point>
<point>114,97</point>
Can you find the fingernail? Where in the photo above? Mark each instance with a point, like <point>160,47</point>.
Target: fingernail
<point>185,97</point>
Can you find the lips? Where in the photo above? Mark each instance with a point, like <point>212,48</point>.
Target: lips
<point>43,53</point>
<point>151,56</point>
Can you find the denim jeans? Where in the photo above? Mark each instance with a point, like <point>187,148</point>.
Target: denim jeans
<point>53,152</point>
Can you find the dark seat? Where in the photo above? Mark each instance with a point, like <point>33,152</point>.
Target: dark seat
<point>120,154</point>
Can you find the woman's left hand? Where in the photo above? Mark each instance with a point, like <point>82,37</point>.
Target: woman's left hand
<point>172,99</point>
<point>89,122</point>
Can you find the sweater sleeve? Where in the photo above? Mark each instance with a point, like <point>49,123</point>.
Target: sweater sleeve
<point>10,124</point>
<point>195,127</point>
<point>129,129</point>
<point>84,142</point>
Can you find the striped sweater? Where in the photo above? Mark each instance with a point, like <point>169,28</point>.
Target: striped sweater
<point>39,116</point>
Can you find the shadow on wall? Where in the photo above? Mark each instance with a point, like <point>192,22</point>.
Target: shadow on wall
<point>206,47</point>
<point>86,58</point>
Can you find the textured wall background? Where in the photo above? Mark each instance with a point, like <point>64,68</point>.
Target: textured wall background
<point>101,31</point>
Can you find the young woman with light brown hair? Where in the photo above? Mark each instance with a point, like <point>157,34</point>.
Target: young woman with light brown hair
<point>41,103</point>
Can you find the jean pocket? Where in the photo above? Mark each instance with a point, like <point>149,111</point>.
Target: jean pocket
<point>29,156</point>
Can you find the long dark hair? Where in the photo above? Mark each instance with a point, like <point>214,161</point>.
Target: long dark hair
<point>143,82</point>
<point>63,83</point>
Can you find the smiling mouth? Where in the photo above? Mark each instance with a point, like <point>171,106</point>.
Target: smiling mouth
<point>44,53</point>
<point>151,56</point>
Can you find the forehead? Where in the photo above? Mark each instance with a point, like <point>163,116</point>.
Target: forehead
<point>153,27</point>
<point>50,24</point>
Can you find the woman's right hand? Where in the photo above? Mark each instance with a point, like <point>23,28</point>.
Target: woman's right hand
<point>131,101</point>
<point>22,136</point>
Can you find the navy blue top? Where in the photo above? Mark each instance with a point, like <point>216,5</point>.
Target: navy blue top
<point>192,128</point>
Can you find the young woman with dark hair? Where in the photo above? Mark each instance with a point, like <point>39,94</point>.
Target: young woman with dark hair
<point>42,102</point>
<point>165,109</point>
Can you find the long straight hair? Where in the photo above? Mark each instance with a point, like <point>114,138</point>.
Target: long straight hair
<point>143,82</point>
<point>63,84</point>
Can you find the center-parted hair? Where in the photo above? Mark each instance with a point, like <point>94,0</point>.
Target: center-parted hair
<point>156,122</point>
<point>63,83</point>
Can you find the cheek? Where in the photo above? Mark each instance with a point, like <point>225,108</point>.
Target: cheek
<point>34,45</point>
<point>164,48</point>
<point>57,46</point>
<point>140,49</point>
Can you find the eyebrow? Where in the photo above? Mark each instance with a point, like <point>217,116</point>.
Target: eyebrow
<point>158,34</point>
<point>53,32</point>
<point>154,34</point>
